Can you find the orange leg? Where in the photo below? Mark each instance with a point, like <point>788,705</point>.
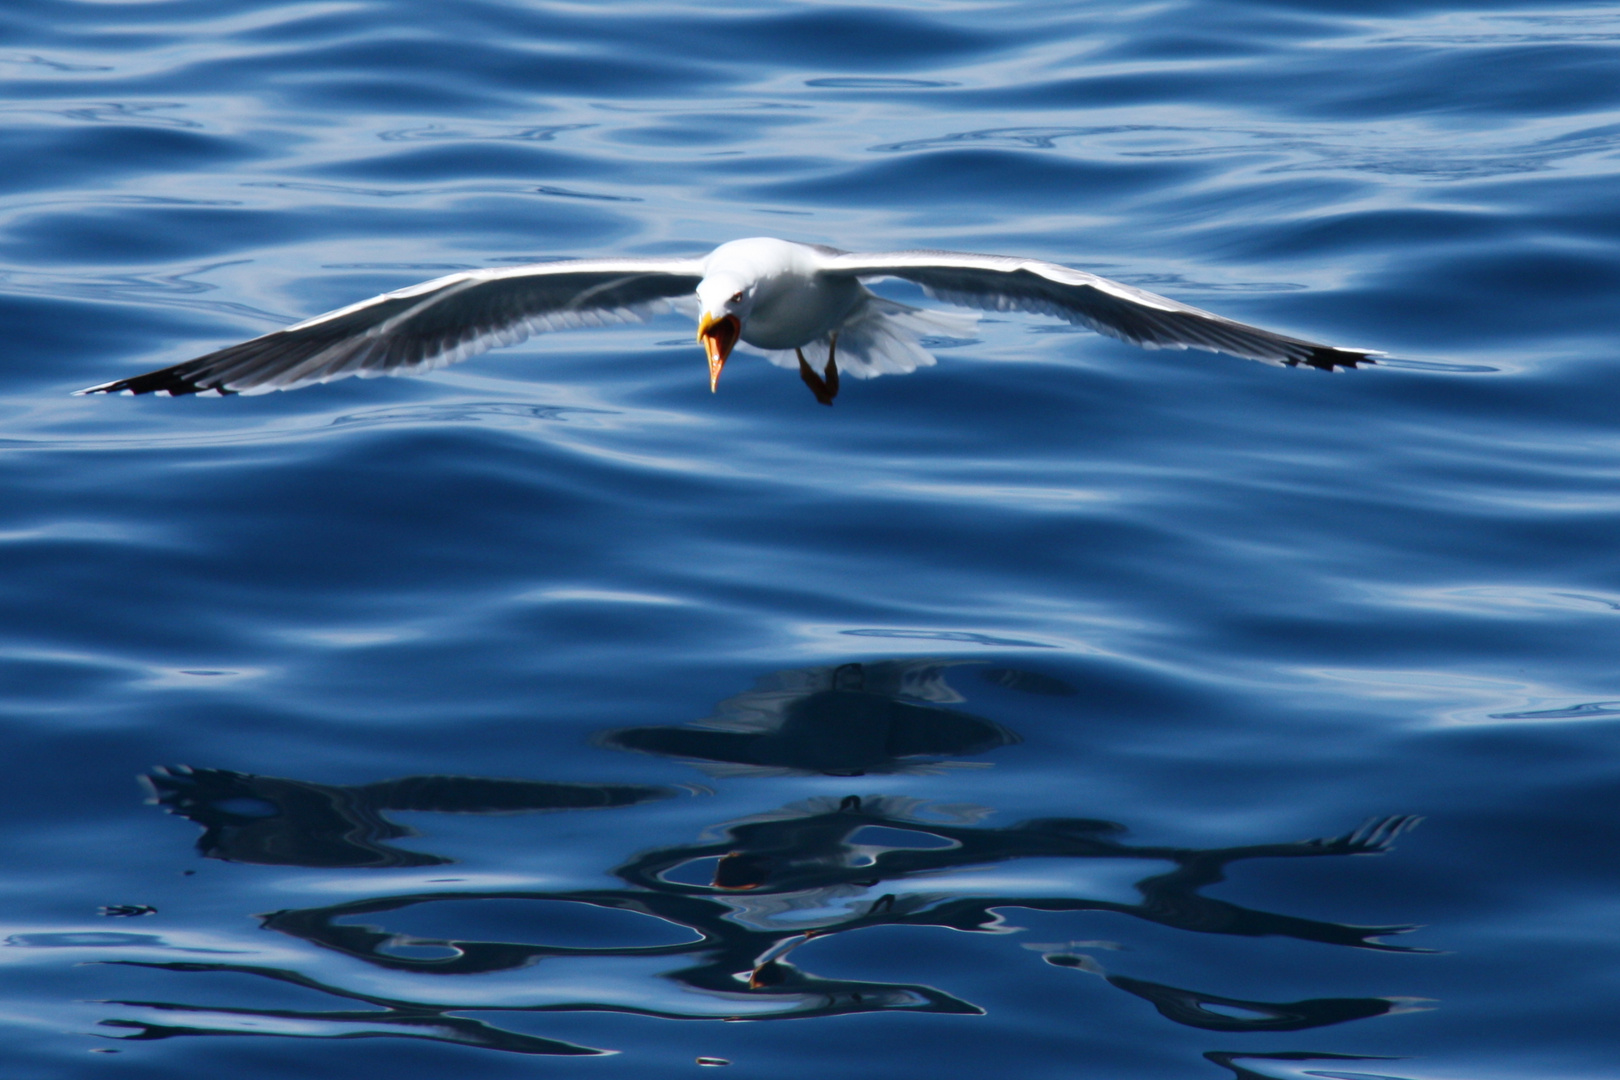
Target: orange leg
<point>824,386</point>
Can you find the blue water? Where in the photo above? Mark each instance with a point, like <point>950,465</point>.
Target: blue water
<point>550,705</point>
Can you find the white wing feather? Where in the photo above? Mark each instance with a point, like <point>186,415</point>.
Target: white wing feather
<point>425,326</point>
<point>1001,283</point>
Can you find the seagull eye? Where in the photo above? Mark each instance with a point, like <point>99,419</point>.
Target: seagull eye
<point>736,298</point>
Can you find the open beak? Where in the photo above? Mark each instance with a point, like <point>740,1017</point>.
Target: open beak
<point>718,336</point>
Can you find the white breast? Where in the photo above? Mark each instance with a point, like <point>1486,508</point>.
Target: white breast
<point>792,311</point>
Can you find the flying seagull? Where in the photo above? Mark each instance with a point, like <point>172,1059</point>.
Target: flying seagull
<point>778,296</point>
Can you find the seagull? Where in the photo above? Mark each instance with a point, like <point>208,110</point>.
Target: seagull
<point>780,297</point>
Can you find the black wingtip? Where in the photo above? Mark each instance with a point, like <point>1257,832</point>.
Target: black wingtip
<point>171,381</point>
<point>1326,358</point>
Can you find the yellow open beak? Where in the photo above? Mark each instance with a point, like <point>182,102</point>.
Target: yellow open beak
<point>718,337</point>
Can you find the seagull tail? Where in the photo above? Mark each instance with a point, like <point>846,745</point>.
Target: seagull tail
<point>884,337</point>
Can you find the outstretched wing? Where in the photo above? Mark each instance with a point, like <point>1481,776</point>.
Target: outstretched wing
<point>1000,283</point>
<point>429,325</point>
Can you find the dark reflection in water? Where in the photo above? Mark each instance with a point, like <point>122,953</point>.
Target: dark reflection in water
<point>279,822</point>
<point>387,1017</point>
<point>1240,1071</point>
<point>1215,1013</point>
<point>850,720</point>
<point>747,897</point>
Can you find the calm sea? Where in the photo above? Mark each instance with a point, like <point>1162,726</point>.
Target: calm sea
<point>1061,710</point>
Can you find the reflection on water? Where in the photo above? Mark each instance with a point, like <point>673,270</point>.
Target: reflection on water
<point>1297,1064</point>
<point>849,720</point>
<point>387,1017</point>
<point>279,822</point>
<point>1215,1013</point>
<point>755,896</point>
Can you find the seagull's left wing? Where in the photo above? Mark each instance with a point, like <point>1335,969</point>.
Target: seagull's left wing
<point>429,325</point>
<point>1001,283</point>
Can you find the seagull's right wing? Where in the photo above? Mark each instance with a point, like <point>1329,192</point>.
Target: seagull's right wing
<point>1001,283</point>
<point>429,325</point>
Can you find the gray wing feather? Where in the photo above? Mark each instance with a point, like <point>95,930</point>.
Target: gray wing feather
<point>429,325</point>
<point>1000,283</point>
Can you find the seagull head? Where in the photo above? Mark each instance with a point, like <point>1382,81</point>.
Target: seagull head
<point>726,302</point>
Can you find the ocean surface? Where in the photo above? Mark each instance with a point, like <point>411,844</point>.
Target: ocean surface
<point>1065,709</point>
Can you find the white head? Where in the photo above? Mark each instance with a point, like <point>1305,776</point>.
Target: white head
<point>734,276</point>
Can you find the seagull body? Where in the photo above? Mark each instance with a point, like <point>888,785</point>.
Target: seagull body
<point>777,296</point>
